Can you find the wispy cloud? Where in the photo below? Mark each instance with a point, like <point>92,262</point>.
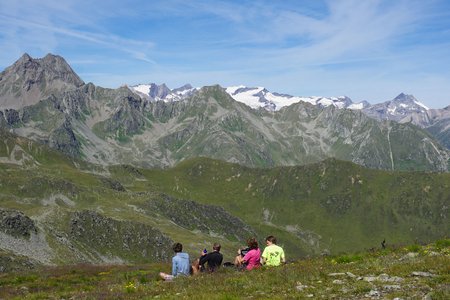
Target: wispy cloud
<point>360,48</point>
<point>51,20</point>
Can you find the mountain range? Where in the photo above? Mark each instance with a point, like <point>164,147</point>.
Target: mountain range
<point>44,100</point>
<point>96,175</point>
<point>403,108</point>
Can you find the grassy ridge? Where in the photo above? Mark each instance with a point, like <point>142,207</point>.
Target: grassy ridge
<point>410,272</point>
<point>350,207</point>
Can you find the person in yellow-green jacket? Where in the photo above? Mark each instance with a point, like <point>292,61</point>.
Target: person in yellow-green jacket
<point>273,254</point>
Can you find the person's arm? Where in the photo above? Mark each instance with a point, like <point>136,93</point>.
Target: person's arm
<point>174,266</point>
<point>263,257</point>
<point>247,256</point>
<point>203,259</point>
<point>283,258</point>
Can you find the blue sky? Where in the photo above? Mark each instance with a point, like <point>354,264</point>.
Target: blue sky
<point>368,50</point>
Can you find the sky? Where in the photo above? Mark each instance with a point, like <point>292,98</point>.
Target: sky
<point>367,50</point>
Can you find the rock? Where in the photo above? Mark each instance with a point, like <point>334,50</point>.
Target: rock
<point>383,277</point>
<point>300,286</point>
<point>370,278</point>
<point>12,117</point>
<point>427,297</point>
<point>351,275</point>
<point>409,255</point>
<point>373,293</point>
<point>16,224</point>
<point>336,274</point>
<point>113,184</point>
<point>422,274</point>
<point>64,139</point>
<point>393,287</point>
<point>395,279</point>
<point>337,281</point>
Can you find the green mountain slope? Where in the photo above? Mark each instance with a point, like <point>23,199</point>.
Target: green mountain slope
<point>56,210</point>
<point>327,207</point>
<point>331,206</point>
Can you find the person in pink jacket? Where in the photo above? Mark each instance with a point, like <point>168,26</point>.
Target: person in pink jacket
<point>250,258</point>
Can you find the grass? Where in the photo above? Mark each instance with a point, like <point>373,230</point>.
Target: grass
<point>344,276</point>
<point>328,207</point>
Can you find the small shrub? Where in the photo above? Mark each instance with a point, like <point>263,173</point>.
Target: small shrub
<point>345,259</point>
<point>24,279</point>
<point>413,248</point>
<point>143,279</point>
<point>440,244</point>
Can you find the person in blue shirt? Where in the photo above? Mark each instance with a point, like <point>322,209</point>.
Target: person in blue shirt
<point>180,264</point>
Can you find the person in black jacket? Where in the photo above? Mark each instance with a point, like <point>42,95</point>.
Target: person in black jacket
<point>213,260</point>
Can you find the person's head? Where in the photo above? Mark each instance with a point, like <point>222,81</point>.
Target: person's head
<point>177,247</point>
<point>216,247</point>
<point>252,243</point>
<point>271,240</point>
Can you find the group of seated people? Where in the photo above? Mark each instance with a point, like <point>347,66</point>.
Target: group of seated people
<point>248,258</point>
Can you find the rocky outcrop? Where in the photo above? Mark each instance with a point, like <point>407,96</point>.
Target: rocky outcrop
<point>16,224</point>
<point>209,219</point>
<point>64,140</point>
<point>125,240</point>
<point>128,119</point>
<point>10,262</point>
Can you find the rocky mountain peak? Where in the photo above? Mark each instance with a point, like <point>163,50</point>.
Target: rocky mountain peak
<point>158,91</point>
<point>50,68</point>
<point>408,103</point>
<point>29,80</point>
<point>24,58</point>
<point>155,92</point>
<point>399,108</point>
<point>405,98</point>
<point>187,86</point>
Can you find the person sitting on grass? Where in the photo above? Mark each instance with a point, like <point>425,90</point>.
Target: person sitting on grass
<point>180,264</point>
<point>273,255</point>
<point>213,260</point>
<point>252,256</point>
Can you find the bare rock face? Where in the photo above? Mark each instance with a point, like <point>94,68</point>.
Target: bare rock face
<point>29,80</point>
<point>407,109</point>
<point>64,140</point>
<point>16,224</point>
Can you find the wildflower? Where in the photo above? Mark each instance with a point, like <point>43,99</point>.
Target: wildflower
<point>130,287</point>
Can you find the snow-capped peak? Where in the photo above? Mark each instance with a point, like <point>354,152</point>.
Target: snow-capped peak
<point>154,92</point>
<point>408,101</point>
<point>257,97</point>
<point>397,109</point>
